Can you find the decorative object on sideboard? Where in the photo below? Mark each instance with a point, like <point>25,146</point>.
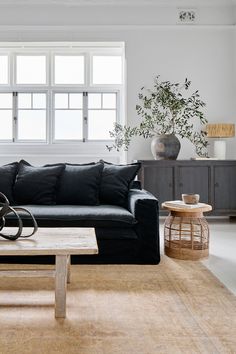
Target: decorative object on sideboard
<point>165,145</point>
<point>219,131</point>
<point>165,112</point>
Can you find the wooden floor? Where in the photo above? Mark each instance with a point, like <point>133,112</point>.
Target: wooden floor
<point>176,307</point>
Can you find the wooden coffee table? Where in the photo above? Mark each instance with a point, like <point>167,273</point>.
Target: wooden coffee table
<point>186,231</point>
<point>61,242</point>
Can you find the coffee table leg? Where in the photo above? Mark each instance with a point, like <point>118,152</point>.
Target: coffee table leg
<point>60,285</point>
<point>68,268</point>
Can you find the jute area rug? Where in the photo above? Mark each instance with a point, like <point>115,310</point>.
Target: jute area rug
<point>175,307</point>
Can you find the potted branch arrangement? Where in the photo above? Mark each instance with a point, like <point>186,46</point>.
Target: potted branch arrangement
<point>165,112</point>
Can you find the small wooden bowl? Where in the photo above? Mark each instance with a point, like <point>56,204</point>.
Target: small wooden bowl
<point>190,198</point>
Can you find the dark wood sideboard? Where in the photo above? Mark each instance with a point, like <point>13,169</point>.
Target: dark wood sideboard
<point>214,180</point>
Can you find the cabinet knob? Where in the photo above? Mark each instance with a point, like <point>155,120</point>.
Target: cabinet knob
<point>170,185</point>
<point>181,184</point>
<point>216,184</point>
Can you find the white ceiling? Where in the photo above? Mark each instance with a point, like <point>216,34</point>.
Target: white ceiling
<point>164,3</point>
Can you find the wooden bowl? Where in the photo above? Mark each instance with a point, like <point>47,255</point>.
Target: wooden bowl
<point>190,198</point>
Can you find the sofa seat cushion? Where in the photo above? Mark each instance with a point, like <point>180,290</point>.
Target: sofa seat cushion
<point>78,215</point>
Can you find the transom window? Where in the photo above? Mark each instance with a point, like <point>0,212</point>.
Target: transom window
<point>60,93</point>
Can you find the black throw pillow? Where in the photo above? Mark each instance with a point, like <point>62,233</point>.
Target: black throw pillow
<point>79,184</point>
<point>37,185</point>
<point>116,181</point>
<point>7,180</point>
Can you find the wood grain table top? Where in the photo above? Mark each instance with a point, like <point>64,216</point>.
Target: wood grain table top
<point>200,207</point>
<point>52,241</point>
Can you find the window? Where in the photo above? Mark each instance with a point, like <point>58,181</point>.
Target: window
<point>84,116</point>
<point>69,70</point>
<point>53,93</point>
<point>3,69</point>
<point>6,114</point>
<point>31,69</point>
<point>107,70</point>
<point>101,115</point>
<point>31,116</point>
<point>68,108</point>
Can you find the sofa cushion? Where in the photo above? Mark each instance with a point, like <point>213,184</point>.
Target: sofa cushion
<point>36,185</point>
<point>115,183</point>
<point>79,216</point>
<point>7,179</point>
<point>79,184</point>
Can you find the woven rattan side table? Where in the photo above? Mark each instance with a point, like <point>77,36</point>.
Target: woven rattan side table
<point>186,231</point>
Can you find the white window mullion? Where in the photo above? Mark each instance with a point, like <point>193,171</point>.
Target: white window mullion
<point>85,116</point>
<point>14,111</point>
<point>49,118</point>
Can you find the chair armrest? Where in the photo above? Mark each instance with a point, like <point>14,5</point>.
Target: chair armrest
<point>145,208</point>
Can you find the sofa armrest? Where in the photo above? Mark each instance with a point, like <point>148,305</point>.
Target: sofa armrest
<point>145,208</point>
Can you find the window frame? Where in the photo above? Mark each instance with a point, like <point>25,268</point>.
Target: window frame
<point>7,54</point>
<point>105,54</point>
<point>30,53</point>
<point>117,111</point>
<point>49,50</point>
<point>53,67</point>
<point>7,141</point>
<point>64,141</point>
<point>85,115</point>
<point>16,120</point>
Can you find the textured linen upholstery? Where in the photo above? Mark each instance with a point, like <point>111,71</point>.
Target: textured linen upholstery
<point>78,215</point>
<point>126,221</point>
<point>145,208</point>
<point>7,180</point>
<point>36,185</point>
<point>115,183</point>
<point>79,184</point>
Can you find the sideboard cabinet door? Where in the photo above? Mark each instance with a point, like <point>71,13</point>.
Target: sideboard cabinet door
<point>225,189</point>
<point>193,179</point>
<point>214,180</point>
<point>159,180</point>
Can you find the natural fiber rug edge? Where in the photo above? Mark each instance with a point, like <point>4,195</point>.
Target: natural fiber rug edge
<point>174,307</point>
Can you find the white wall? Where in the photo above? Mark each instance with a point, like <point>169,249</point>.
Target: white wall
<point>204,54</point>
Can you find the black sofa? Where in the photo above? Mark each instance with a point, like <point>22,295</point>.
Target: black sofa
<point>100,195</point>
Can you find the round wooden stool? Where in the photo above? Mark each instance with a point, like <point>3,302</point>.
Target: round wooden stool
<point>186,231</point>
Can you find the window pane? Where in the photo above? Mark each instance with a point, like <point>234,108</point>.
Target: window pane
<point>61,100</point>
<point>5,100</point>
<point>107,69</point>
<point>24,100</point>
<point>94,100</point>
<point>68,125</point>
<point>100,123</point>
<point>3,69</point>
<point>6,125</point>
<point>31,125</point>
<point>39,100</point>
<point>69,69</point>
<point>31,69</point>
<point>76,100</point>
<point>109,100</point>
